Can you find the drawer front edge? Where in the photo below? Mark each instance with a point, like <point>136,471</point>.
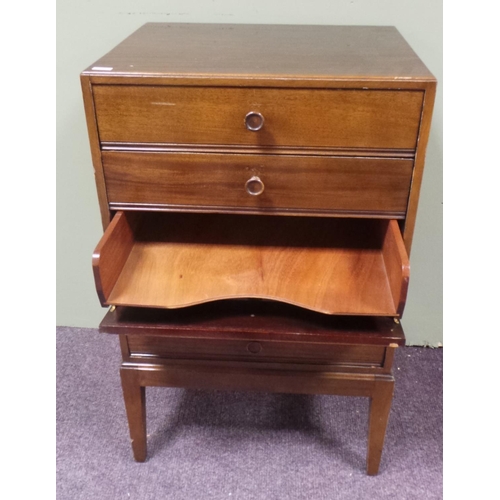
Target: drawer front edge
<point>151,347</point>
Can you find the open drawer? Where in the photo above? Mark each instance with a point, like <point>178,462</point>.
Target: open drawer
<point>329,265</point>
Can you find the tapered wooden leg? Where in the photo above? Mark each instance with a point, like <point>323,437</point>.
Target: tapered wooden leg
<point>380,406</point>
<point>135,404</point>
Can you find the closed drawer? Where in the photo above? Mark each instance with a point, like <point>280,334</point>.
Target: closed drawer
<point>301,352</point>
<point>386,119</point>
<point>287,182</point>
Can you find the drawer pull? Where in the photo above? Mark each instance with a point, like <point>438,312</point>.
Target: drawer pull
<point>254,347</point>
<point>254,186</point>
<point>254,121</point>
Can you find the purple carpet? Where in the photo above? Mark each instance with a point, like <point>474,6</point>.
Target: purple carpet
<point>235,445</point>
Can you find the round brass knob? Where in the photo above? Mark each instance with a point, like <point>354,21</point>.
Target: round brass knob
<point>254,186</point>
<point>254,121</point>
<point>254,347</point>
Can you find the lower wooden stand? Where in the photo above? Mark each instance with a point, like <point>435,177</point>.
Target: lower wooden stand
<point>136,377</point>
<point>256,346</point>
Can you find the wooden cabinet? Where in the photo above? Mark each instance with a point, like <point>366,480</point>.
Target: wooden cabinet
<point>258,187</point>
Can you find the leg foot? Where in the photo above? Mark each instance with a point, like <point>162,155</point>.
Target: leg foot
<point>380,406</point>
<point>134,396</point>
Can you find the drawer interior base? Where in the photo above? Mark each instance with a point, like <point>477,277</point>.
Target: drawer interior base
<point>333,266</point>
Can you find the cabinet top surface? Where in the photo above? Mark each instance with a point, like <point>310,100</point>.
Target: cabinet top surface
<point>263,51</point>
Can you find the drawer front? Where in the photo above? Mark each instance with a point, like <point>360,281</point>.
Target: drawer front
<point>288,182</point>
<point>385,119</point>
<point>300,352</point>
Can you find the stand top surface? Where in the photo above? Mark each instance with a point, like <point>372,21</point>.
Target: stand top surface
<point>253,319</point>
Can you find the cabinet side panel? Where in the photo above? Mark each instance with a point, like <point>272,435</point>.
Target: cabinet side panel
<point>423,138</point>
<point>93,132</point>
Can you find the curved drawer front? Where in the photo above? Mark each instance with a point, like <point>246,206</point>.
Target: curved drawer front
<point>385,119</point>
<point>259,182</point>
<point>325,264</point>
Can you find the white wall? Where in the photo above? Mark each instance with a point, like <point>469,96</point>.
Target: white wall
<point>86,30</point>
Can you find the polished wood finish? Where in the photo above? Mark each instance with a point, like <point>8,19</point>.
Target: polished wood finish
<point>418,172</point>
<point>298,117</point>
<point>155,147</point>
<point>369,63</point>
<point>88,102</point>
<point>279,54</point>
<point>380,406</point>
<point>134,396</point>
<point>112,253</point>
<point>157,359</point>
<point>252,320</point>
<point>397,265</point>
<point>193,128</point>
<point>311,184</point>
<point>377,387</point>
<point>335,266</point>
<point>256,350</point>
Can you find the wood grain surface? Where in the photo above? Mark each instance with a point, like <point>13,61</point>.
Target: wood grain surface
<point>261,350</point>
<point>292,117</point>
<point>112,252</point>
<point>335,266</point>
<point>347,113</point>
<point>95,150</point>
<point>215,180</point>
<point>397,265</point>
<point>418,172</point>
<point>274,52</point>
<point>252,320</point>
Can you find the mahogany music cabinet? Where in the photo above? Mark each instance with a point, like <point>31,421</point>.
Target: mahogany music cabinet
<point>258,187</point>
